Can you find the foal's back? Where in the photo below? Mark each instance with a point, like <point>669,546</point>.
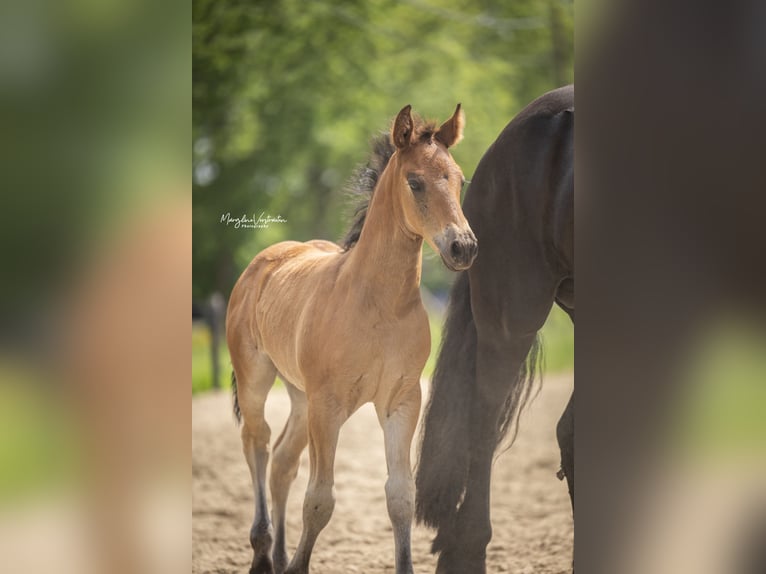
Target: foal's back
<point>284,284</point>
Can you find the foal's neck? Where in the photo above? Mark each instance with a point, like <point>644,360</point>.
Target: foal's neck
<point>388,257</point>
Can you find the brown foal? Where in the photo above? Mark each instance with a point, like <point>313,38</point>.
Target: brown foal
<point>344,327</point>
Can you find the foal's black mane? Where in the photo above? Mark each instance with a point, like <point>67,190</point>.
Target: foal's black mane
<point>362,185</point>
<point>363,182</point>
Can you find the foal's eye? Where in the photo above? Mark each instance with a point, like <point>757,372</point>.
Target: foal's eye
<point>414,184</point>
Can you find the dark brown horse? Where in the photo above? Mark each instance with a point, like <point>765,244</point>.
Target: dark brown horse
<point>520,205</point>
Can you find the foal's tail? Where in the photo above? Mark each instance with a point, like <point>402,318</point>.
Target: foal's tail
<point>446,439</point>
<point>237,412</point>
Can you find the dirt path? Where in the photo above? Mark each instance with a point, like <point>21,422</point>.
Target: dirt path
<point>530,508</point>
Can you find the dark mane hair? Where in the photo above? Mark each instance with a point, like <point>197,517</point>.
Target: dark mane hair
<point>361,186</point>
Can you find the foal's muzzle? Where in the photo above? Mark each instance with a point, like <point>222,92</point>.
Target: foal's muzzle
<point>457,247</point>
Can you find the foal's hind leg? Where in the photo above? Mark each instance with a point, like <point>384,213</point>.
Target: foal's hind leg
<point>255,377</point>
<point>284,468</point>
<point>325,419</point>
<point>399,418</point>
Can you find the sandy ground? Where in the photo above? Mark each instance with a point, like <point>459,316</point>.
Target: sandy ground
<point>531,515</point>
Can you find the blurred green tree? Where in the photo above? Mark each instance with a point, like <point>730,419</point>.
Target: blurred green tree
<point>286,94</point>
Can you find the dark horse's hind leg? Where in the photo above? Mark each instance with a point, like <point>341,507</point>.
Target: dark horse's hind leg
<point>565,436</point>
<point>565,431</point>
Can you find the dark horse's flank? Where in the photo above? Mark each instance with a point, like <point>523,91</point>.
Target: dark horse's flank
<point>520,206</point>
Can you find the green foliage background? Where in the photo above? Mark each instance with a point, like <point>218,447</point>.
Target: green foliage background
<point>286,95</point>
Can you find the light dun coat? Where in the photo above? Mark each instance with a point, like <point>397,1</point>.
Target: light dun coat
<point>343,327</point>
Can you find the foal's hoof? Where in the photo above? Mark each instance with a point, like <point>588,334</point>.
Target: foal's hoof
<point>263,566</point>
<point>280,563</point>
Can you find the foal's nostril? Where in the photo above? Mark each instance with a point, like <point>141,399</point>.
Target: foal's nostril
<point>455,249</point>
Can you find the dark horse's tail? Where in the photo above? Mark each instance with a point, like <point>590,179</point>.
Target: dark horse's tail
<point>446,439</point>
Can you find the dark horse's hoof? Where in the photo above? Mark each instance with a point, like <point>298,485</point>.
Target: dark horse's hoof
<point>263,566</point>
<point>460,566</point>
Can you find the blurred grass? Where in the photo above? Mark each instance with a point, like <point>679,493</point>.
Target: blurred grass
<point>558,342</point>
<point>723,403</point>
<point>37,442</point>
<point>202,374</point>
<point>557,334</point>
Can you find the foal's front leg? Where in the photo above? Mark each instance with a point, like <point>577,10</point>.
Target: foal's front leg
<point>325,418</point>
<point>399,419</point>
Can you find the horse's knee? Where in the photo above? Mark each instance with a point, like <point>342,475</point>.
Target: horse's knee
<point>319,505</point>
<point>479,534</point>
<point>400,499</point>
<point>256,434</point>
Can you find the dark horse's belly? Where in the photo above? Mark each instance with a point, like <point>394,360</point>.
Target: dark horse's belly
<point>565,293</point>
<point>521,208</point>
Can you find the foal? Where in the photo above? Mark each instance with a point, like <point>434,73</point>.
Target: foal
<point>343,327</point>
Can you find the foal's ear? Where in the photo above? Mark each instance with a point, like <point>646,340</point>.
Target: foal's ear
<point>451,131</point>
<point>401,133</point>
